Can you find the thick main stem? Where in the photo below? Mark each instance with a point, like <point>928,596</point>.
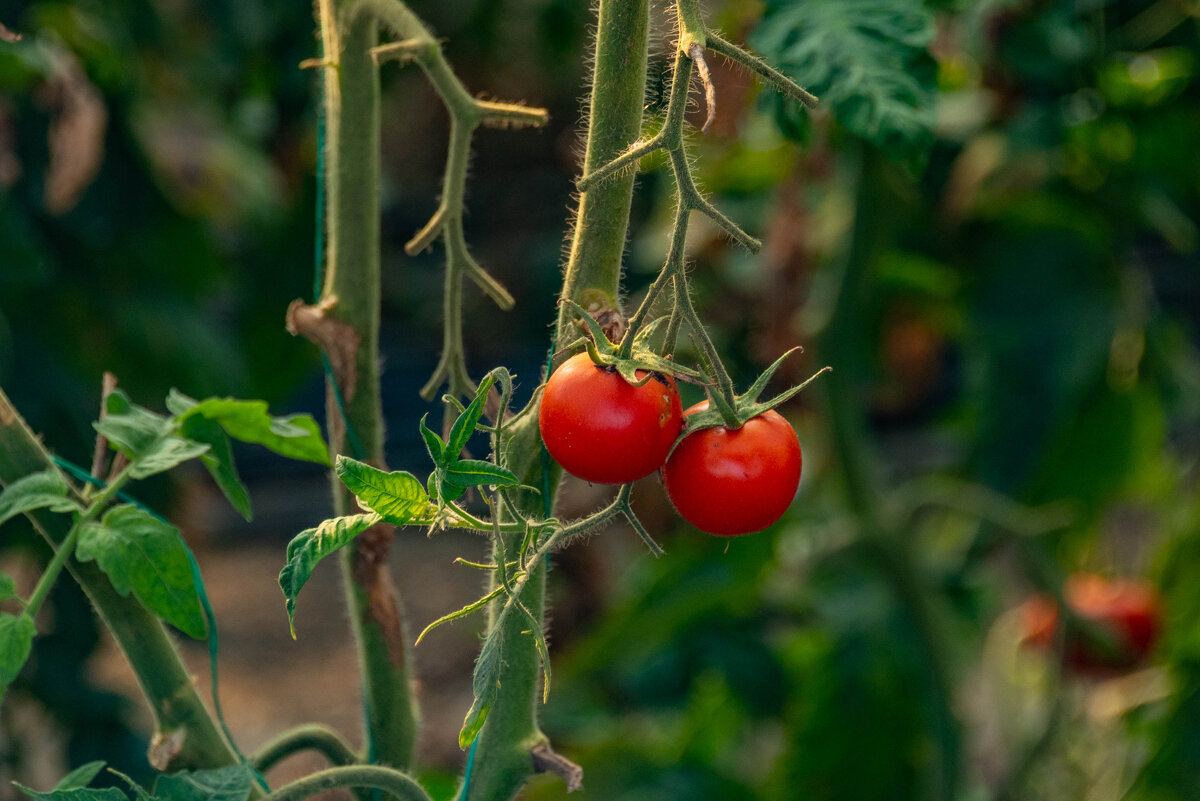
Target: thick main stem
<point>352,278</point>
<point>593,269</point>
<point>503,761</point>
<point>186,737</point>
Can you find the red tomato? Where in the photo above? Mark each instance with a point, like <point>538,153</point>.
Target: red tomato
<point>603,429</point>
<point>1130,609</point>
<point>734,482</point>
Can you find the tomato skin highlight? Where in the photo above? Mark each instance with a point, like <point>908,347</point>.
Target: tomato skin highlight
<point>1130,609</point>
<point>733,482</point>
<point>603,429</point>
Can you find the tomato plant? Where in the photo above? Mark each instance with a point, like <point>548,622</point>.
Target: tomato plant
<point>1127,612</point>
<point>601,428</point>
<point>735,481</point>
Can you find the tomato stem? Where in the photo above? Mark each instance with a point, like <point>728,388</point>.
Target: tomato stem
<point>166,683</point>
<point>397,784</point>
<point>306,737</point>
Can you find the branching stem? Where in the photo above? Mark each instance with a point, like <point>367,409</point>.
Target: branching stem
<point>67,546</point>
<point>466,114</point>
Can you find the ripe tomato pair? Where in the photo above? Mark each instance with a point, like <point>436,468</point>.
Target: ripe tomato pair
<point>1129,610</point>
<point>726,482</point>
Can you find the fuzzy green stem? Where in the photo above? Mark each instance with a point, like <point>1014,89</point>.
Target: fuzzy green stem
<point>167,686</point>
<point>307,737</point>
<point>42,590</point>
<point>593,271</point>
<point>466,114</point>
<point>67,546</point>
<point>352,277</point>
<point>393,782</point>
<point>503,759</point>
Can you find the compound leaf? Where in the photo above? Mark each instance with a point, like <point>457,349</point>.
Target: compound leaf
<point>868,60</point>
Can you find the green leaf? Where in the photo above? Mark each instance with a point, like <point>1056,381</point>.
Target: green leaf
<point>312,545</point>
<point>131,429</point>
<point>867,60</point>
<point>80,777</point>
<point>464,426</point>
<point>218,460</point>
<point>147,438</point>
<point>433,443</point>
<point>475,472</point>
<point>296,436</point>
<point>164,455</point>
<point>141,553</point>
<point>485,684</point>
<point>75,794</point>
<point>8,588</point>
<point>232,783</point>
<point>397,497</point>
<point>45,490</point>
<point>16,640</point>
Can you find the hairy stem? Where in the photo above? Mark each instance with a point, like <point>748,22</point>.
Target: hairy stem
<point>186,736</point>
<point>593,271</point>
<point>307,737</point>
<point>503,759</point>
<point>351,288</point>
<point>393,782</point>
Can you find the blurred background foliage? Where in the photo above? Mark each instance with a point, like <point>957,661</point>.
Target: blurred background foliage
<point>989,229</point>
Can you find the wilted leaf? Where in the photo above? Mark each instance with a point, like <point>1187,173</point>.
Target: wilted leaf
<point>312,545</point>
<point>485,684</point>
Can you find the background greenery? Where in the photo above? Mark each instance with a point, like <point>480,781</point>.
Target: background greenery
<point>989,230</point>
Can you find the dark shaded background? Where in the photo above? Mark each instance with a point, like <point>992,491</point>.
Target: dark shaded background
<point>1008,290</point>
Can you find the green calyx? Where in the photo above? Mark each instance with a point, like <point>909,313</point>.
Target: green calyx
<point>631,354</point>
<point>732,413</point>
